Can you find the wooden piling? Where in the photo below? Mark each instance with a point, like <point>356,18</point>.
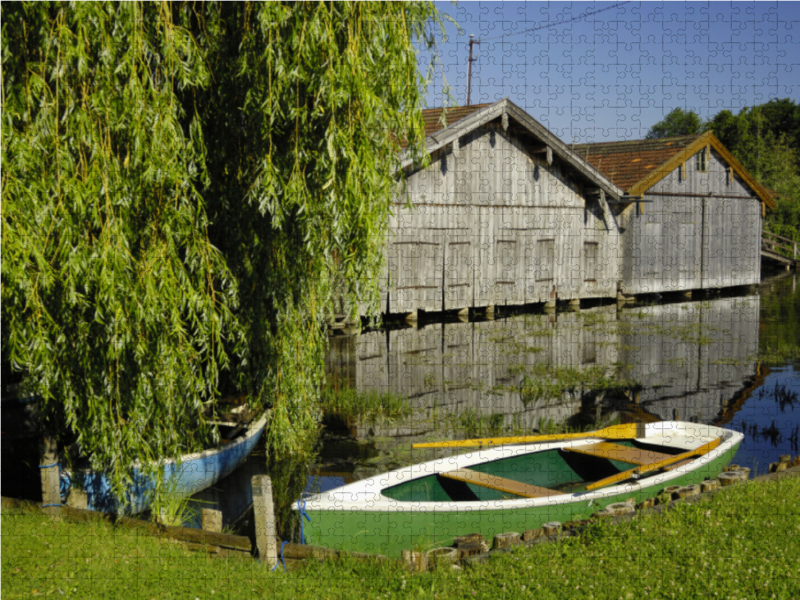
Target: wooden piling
<point>264,517</point>
<point>417,562</point>
<point>551,528</point>
<point>731,477</point>
<point>686,491</point>
<point>78,499</point>
<point>621,508</point>
<point>49,472</point>
<point>211,520</point>
<point>505,540</point>
<point>442,556</point>
<point>532,534</point>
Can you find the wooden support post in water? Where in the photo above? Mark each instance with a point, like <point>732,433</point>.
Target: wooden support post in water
<point>211,520</point>
<point>49,471</point>
<point>552,302</point>
<point>264,515</point>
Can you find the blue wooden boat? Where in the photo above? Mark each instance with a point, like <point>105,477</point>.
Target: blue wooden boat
<point>191,474</point>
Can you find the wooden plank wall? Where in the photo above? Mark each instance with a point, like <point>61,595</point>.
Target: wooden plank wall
<point>494,226</point>
<point>681,243</point>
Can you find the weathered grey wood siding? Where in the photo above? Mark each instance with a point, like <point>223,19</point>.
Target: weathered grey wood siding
<point>496,225</point>
<point>681,243</point>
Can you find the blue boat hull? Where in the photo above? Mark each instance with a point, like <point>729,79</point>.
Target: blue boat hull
<point>195,473</point>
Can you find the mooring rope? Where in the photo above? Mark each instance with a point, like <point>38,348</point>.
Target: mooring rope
<point>301,508</point>
<point>280,559</point>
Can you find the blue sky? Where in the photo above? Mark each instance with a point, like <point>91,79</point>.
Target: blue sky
<point>612,75</point>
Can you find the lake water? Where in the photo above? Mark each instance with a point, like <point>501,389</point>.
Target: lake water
<point>721,360</point>
<point>728,360</point>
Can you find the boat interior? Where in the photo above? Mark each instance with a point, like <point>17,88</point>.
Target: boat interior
<point>231,417</point>
<point>539,474</point>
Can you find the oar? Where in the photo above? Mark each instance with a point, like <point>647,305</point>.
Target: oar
<point>614,432</point>
<point>623,475</point>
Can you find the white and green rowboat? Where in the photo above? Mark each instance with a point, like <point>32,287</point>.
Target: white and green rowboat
<point>516,487</point>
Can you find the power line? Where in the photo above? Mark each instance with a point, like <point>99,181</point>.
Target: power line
<point>555,23</point>
<point>545,26</point>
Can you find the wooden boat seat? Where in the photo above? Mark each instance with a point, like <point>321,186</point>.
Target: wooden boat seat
<point>635,456</point>
<point>501,484</point>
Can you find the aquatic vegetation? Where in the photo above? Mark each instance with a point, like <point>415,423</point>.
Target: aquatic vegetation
<point>352,406</point>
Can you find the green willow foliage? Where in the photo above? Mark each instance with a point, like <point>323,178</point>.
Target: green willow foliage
<point>310,104</point>
<point>115,305</point>
<point>185,186</point>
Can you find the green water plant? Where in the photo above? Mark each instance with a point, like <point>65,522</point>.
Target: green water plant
<point>352,406</point>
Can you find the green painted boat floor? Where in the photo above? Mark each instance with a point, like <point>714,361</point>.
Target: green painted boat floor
<point>390,532</point>
<point>560,470</point>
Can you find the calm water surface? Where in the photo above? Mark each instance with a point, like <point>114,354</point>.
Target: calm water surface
<point>726,360</point>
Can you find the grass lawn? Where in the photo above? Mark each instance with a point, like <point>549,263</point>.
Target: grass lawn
<point>742,543</point>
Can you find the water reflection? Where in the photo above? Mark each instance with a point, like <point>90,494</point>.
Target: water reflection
<point>673,361</point>
<point>721,361</point>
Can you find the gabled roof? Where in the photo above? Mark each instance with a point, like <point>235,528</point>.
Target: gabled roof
<point>629,162</point>
<point>461,121</point>
<point>638,165</point>
<point>433,116</point>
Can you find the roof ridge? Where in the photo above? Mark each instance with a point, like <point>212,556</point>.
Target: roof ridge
<point>459,107</point>
<point>652,140</point>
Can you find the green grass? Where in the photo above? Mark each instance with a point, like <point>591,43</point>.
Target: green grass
<point>742,543</point>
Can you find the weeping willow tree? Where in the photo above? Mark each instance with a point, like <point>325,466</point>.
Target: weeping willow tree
<point>306,122</point>
<point>184,186</point>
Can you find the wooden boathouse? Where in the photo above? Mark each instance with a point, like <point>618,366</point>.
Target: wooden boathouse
<point>504,214</point>
<point>696,220</point>
<point>507,214</point>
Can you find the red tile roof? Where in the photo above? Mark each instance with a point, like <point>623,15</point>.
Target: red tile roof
<point>627,163</point>
<point>433,116</point>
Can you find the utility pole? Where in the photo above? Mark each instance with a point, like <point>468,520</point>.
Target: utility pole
<point>469,70</point>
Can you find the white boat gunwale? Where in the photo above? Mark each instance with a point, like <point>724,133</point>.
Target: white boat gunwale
<point>360,495</point>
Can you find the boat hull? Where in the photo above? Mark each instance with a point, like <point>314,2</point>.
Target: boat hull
<point>196,472</point>
<point>426,525</point>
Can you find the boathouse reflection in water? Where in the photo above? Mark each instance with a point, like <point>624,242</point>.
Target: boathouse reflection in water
<point>684,360</point>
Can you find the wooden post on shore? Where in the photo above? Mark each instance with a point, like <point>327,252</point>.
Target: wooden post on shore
<point>48,467</point>
<point>211,520</point>
<point>264,515</point>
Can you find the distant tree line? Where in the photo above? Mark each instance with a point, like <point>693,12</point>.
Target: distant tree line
<point>766,140</point>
